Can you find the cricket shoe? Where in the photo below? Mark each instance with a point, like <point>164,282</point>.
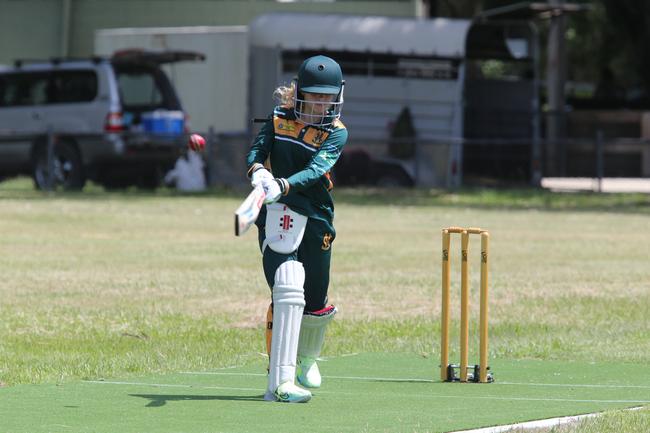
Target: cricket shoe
<point>308,373</point>
<point>288,392</point>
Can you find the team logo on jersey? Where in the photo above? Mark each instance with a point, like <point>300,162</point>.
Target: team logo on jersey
<point>286,127</point>
<point>315,137</point>
<point>327,242</point>
<point>319,137</point>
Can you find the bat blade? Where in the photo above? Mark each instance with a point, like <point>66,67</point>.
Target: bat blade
<point>247,212</point>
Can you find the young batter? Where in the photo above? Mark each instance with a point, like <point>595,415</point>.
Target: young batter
<point>300,143</point>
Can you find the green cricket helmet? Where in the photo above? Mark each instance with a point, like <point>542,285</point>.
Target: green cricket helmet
<point>321,75</point>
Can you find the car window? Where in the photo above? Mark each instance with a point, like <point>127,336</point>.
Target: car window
<point>145,89</point>
<point>23,89</point>
<point>73,86</point>
<point>138,88</point>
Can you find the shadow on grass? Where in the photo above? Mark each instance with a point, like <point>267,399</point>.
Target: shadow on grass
<point>159,400</point>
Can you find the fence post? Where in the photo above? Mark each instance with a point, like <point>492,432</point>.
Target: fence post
<point>600,162</point>
<point>211,150</point>
<point>455,163</point>
<point>50,159</point>
<point>536,163</point>
<point>418,158</point>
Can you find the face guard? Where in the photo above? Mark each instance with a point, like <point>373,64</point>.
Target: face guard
<point>319,75</point>
<point>318,113</point>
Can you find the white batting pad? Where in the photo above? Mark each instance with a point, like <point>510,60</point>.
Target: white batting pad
<point>312,331</point>
<point>288,305</point>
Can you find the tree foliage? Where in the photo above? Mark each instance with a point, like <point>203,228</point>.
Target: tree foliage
<point>610,38</point>
<point>629,25</point>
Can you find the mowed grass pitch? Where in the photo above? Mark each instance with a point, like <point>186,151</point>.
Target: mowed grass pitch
<point>108,285</point>
<point>370,392</point>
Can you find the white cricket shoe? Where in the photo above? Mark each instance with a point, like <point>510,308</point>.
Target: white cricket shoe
<point>308,372</point>
<point>288,392</point>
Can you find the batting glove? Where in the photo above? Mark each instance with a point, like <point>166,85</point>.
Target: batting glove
<point>260,174</point>
<point>274,189</point>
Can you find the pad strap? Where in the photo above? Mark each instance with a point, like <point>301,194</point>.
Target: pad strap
<point>312,331</point>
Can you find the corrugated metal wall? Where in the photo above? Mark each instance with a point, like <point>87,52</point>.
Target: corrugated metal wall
<point>47,28</point>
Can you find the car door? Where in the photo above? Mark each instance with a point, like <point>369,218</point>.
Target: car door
<point>22,98</point>
<point>72,107</point>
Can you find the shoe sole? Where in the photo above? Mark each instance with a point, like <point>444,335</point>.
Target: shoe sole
<point>269,396</point>
<point>289,399</point>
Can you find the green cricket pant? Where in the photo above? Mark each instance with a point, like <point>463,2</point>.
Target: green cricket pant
<point>314,252</point>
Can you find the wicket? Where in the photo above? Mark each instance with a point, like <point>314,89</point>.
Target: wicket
<point>447,371</point>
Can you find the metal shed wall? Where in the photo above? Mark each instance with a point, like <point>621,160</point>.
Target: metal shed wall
<point>48,28</point>
<point>372,104</point>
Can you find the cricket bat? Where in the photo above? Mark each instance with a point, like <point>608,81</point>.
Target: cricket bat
<point>247,212</point>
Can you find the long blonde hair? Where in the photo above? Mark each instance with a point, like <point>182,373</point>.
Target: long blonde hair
<point>285,94</point>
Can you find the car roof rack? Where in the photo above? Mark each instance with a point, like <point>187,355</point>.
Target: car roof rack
<point>57,60</point>
<point>138,55</point>
<point>130,55</point>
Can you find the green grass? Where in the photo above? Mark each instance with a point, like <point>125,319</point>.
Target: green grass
<point>118,285</point>
<point>500,199</point>
<point>371,392</point>
<point>636,421</point>
<point>610,422</point>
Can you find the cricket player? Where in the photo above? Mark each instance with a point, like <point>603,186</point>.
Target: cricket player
<point>291,158</point>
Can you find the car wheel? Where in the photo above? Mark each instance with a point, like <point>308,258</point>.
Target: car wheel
<point>66,171</point>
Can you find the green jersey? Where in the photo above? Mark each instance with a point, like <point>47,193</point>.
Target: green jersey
<point>303,155</point>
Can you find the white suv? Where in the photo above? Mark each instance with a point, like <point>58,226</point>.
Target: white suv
<point>116,121</point>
